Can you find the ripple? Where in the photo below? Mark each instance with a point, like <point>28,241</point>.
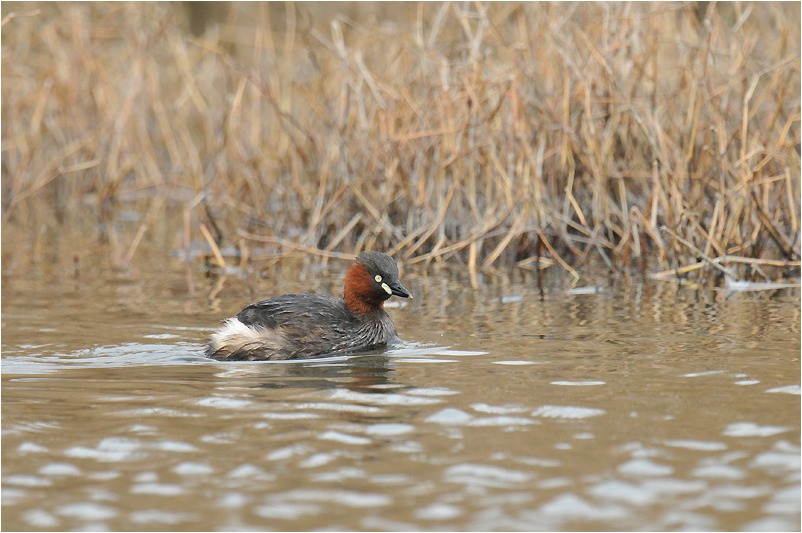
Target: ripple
<point>572,507</point>
<point>350,498</point>
<point>438,511</point>
<point>193,469</point>
<point>780,461</point>
<point>317,460</point>
<point>27,481</point>
<point>339,475</point>
<point>154,411</point>
<point>287,511</point>
<point>31,447</point>
<point>645,468</point>
<point>12,496</point>
<point>718,472</point>
<point>772,523</point>
<point>703,373</point>
<point>219,438</point>
<point>142,428</point>
<point>110,450</point>
<point>389,429</point>
<point>703,446</point>
<point>622,491</point>
<point>539,461</point>
<point>784,501</point>
<point>502,421</point>
<point>390,479</point>
<point>423,391</point>
<point>87,511</point>
<point>788,389</point>
<point>339,407</point>
<point>40,519</point>
<point>580,383</point>
<point>485,476</point>
<point>459,353</point>
<point>249,471</point>
<point>344,438</point>
<point>381,399</point>
<point>60,469</point>
<point>740,492</point>
<point>159,489</point>
<point>421,360</point>
<point>285,453</point>
<point>115,449</point>
<point>155,516</point>
<point>749,429</point>
<point>673,487</point>
<point>290,416</point>
<point>145,477</point>
<point>449,415</point>
<point>566,411</point>
<point>103,475</point>
<point>592,289</point>
<point>405,447</point>
<point>498,409</point>
<point>224,403</point>
<point>232,500</point>
<point>175,446</point>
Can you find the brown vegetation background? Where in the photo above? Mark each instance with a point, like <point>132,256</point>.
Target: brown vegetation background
<point>657,136</point>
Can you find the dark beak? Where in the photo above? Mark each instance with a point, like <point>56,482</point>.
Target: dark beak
<point>399,289</point>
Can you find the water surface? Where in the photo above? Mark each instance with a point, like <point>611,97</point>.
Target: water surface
<point>631,405</point>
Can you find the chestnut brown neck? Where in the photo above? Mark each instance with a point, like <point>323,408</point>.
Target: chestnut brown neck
<point>358,294</point>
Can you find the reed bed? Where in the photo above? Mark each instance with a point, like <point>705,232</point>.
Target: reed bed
<point>650,136</point>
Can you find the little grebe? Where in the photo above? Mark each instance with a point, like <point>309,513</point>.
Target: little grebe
<point>298,326</point>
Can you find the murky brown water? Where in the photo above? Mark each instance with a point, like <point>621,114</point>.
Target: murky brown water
<point>637,407</point>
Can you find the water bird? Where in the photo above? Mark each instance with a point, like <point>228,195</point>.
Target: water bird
<point>300,326</point>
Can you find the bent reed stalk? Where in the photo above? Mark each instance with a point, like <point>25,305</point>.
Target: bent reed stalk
<point>645,135</point>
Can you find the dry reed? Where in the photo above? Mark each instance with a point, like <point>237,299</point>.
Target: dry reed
<point>648,135</point>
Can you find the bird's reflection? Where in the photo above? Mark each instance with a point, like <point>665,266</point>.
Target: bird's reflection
<point>369,373</point>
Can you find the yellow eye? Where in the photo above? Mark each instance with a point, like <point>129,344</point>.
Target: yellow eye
<point>378,278</point>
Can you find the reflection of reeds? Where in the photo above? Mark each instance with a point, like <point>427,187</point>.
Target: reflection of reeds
<point>483,133</point>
